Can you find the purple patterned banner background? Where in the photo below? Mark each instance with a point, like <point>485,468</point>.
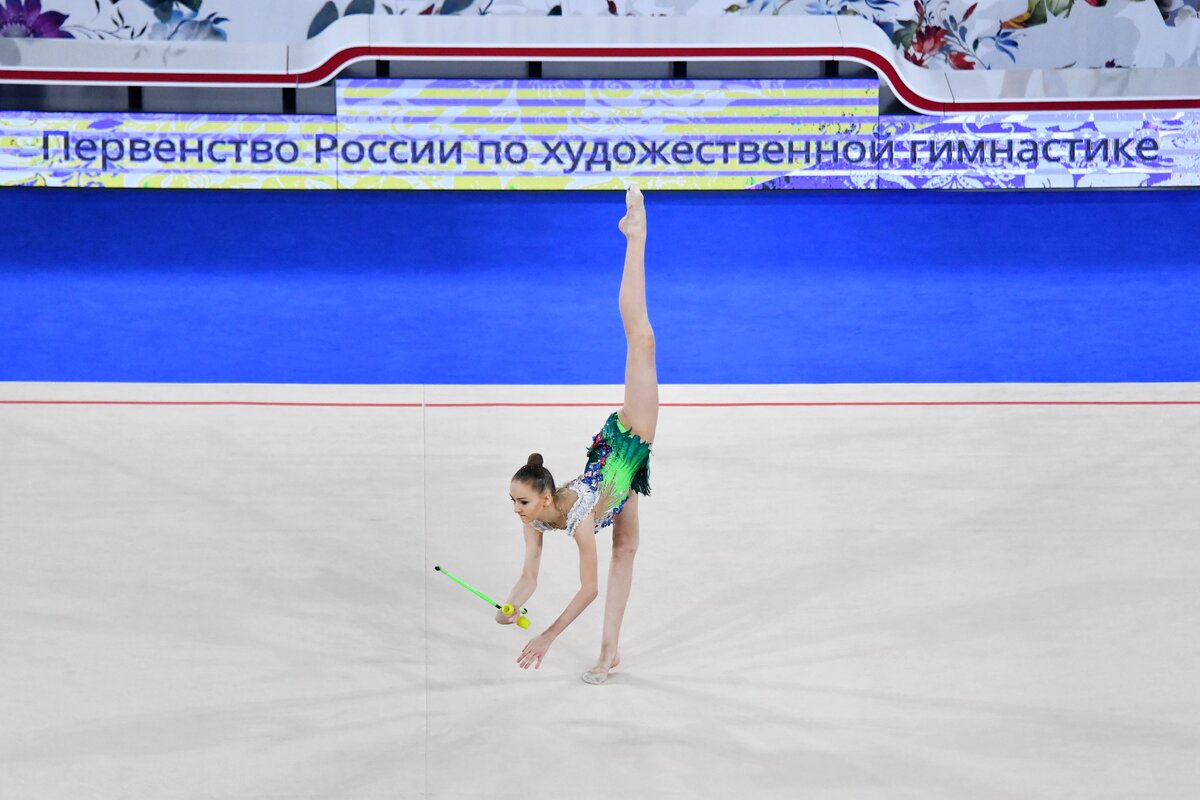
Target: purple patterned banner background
<point>560,134</point>
<point>1016,151</point>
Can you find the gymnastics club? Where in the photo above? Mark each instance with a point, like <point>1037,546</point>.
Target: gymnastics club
<point>506,609</point>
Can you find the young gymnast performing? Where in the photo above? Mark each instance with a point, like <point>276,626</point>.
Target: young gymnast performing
<point>617,470</point>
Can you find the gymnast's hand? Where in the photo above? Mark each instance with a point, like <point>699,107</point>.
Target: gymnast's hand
<point>633,224</point>
<point>507,619</point>
<point>535,651</point>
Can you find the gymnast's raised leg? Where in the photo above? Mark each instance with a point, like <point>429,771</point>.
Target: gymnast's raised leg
<point>640,414</point>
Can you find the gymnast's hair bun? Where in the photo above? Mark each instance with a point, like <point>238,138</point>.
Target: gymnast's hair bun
<point>536,475</point>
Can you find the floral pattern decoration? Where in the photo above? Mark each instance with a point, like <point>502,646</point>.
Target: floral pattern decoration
<point>173,20</point>
<point>936,34</point>
<point>932,34</point>
<point>26,20</point>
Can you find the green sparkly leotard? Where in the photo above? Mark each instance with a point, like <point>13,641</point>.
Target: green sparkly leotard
<point>618,462</point>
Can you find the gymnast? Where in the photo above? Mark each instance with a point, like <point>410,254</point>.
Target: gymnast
<point>617,471</point>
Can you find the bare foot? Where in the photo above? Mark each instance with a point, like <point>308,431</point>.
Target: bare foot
<point>599,673</point>
<point>633,224</point>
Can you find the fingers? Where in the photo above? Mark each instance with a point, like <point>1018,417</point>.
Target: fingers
<point>531,656</point>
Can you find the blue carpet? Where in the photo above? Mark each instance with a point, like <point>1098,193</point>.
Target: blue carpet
<point>748,287</point>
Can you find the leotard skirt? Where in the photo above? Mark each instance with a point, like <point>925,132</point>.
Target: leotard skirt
<point>618,462</point>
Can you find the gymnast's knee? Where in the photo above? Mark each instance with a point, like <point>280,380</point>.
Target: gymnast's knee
<point>625,547</point>
<point>641,336</point>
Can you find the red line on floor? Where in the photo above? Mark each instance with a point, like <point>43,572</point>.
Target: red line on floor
<point>200,403</point>
<point>762,404</point>
<point>817,404</point>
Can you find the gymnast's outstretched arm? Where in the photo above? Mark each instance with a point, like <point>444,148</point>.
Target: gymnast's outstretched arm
<point>527,584</point>
<point>585,538</point>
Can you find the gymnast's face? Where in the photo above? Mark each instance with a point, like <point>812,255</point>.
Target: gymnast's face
<point>527,504</point>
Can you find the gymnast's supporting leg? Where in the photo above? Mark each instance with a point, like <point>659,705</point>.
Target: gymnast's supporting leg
<point>641,416</point>
<point>620,578</point>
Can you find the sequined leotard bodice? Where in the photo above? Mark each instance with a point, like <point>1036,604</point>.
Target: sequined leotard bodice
<point>618,462</point>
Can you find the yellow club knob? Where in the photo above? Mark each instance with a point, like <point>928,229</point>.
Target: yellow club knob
<point>507,608</point>
<point>523,622</point>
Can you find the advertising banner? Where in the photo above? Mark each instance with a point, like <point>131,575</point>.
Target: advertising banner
<point>457,134</point>
<point>165,151</point>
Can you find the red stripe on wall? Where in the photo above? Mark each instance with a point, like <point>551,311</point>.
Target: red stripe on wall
<point>340,59</point>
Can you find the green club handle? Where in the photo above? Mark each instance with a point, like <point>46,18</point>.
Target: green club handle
<point>478,593</point>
